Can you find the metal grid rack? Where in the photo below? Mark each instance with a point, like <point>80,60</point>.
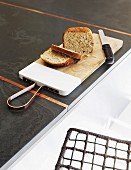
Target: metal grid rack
<point>83,150</point>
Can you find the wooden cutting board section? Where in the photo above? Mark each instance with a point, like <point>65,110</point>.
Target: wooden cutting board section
<point>89,63</point>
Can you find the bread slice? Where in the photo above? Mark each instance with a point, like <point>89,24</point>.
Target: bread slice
<point>78,39</point>
<point>67,52</point>
<point>56,58</point>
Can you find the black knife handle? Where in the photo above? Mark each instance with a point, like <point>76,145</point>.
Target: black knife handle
<point>108,53</point>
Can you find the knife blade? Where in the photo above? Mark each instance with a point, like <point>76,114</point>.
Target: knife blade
<point>106,48</point>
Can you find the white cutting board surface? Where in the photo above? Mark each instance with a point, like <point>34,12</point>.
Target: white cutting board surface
<point>49,77</point>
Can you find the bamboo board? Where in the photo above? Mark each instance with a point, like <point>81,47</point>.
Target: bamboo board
<point>91,62</point>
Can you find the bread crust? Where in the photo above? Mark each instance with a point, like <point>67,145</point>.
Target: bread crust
<point>78,29</point>
<point>68,62</point>
<point>67,52</point>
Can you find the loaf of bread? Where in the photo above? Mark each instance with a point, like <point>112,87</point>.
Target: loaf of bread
<point>56,58</point>
<point>67,52</point>
<point>78,39</point>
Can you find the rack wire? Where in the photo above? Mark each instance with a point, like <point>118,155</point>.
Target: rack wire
<point>83,150</point>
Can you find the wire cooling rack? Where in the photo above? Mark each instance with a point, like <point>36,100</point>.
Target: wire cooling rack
<point>83,150</point>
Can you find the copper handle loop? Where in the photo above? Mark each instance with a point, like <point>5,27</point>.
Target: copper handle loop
<point>26,105</point>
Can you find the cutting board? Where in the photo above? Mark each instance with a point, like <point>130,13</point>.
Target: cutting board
<point>89,63</point>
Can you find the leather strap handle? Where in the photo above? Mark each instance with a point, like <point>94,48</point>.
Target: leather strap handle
<point>26,105</point>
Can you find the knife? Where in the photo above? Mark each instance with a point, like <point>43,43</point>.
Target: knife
<point>106,48</point>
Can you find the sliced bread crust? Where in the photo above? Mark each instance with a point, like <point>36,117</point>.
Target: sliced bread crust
<point>78,29</point>
<point>78,39</point>
<point>56,59</point>
<point>67,52</point>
